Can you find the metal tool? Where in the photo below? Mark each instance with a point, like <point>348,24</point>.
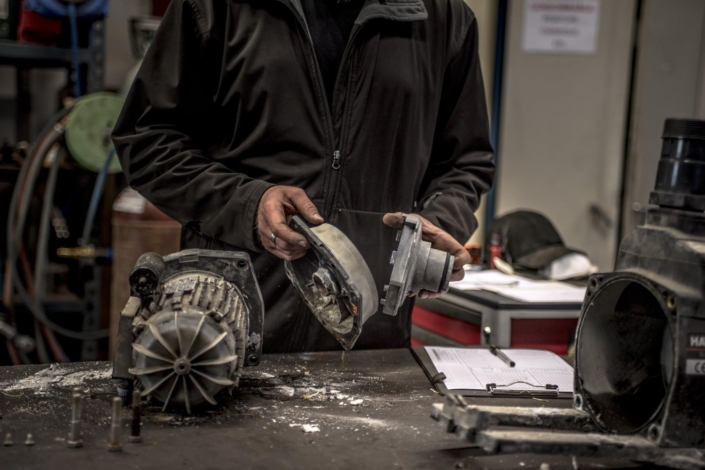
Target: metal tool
<point>135,423</point>
<point>115,444</point>
<point>417,266</point>
<point>334,281</point>
<point>194,321</point>
<point>75,439</point>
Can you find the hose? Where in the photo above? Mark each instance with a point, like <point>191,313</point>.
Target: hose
<point>18,210</point>
<point>28,172</point>
<point>95,198</point>
<point>41,260</point>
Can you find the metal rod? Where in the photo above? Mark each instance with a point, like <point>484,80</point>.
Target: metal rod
<point>75,440</point>
<point>115,437</point>
<point>135,424</point>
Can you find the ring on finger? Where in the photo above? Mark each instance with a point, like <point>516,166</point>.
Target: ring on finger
<point>273,239</point>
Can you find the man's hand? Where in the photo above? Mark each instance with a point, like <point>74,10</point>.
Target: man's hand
<point>276,204</point>
<point>440,240</point>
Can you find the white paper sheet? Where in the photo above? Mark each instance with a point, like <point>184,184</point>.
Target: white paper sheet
<point>520,288</point>
<point>476,280</point>
<point>550,292</point>
<point>473,369</point>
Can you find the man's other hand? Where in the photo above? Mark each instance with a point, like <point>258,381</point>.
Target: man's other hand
<point>440,240</point>
<point>275,206</point>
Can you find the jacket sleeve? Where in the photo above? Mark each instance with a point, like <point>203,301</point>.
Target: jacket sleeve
<point>461,167</point>
<point>162,139</point>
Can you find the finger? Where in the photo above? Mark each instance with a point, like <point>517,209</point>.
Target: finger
<point>394,220</point>
<point>305,206</point>
<point>457,275</point>
<point>424,294</point>
<point>275,218</point>
<point>265,234</point>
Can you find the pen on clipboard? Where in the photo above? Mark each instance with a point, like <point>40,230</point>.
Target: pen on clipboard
<point>498,352</point>
<point>495,350</point>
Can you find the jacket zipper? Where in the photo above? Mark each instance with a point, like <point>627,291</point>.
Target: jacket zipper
<point>335,146</point>
<point>337,154</point>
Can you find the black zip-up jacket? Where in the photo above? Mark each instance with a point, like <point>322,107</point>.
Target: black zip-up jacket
<point>229,101</point>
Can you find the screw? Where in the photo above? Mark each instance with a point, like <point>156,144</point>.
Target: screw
<point>74,440</point>
<point>115,441</point>
<point>29,441</point>
<point>8,440</point>
<point>136,414</point>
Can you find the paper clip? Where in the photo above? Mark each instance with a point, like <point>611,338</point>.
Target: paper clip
<point>548,390</point>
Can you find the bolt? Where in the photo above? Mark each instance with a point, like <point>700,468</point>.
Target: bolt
<point>29,441</point>
<point>115,444</point>
<point>75,440</point>
<point>8,440</point>
<point>136,414</point>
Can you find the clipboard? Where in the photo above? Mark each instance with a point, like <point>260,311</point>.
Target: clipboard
<point>437,379</point>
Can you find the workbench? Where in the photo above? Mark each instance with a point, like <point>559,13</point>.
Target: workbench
<point>371,408</point>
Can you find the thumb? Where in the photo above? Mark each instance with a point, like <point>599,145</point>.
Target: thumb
<point>306,207</point>
<point>394,220</point>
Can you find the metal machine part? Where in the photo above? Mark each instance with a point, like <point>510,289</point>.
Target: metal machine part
<point>640,342</point>
<point>334,281</point>
<point>565,431</point>
<point>417,266</point>
<point>194,320</point>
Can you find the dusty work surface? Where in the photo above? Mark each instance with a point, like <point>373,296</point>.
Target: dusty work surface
<point>362,410</point>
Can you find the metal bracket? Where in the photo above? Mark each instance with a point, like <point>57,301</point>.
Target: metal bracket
<point>417,266</point>
<point>555,430</point>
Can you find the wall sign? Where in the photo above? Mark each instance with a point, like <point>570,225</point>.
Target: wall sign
<point>561,26</point>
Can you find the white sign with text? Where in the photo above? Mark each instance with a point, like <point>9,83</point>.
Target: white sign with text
<point>561,26</point>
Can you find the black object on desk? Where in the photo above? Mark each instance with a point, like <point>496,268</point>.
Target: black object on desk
<point>487,331</point>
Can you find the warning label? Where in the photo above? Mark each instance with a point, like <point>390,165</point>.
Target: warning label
<point>695,357</point>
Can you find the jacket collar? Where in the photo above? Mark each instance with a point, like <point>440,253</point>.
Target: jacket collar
<point>394,10</point>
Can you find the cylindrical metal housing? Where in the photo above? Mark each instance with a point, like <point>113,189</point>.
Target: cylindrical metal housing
<point>680,181</point>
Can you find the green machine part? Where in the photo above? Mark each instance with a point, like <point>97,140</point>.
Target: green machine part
<point>88,130</point>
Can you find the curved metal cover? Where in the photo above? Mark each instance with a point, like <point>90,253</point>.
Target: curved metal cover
<point>334,281</point>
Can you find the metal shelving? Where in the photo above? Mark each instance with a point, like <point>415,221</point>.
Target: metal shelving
<point>25,56</point>
<point>12,52</point>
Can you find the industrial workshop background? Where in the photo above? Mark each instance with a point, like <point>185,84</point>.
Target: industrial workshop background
<point>576,135</point>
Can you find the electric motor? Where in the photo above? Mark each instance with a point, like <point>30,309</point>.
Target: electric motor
<point>194,320</point>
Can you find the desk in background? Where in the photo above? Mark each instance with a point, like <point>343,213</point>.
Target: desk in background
<point>458,318</point>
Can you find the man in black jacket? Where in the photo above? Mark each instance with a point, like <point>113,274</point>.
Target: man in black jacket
<point>245,112</point>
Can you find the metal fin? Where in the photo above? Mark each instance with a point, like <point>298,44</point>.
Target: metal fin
<point>186,400</point>
<point>208,398</point>
<point>217,380</point>
<point>156,385</point>
<point>142,350</point>
<point>148,370</point>
<point>171,392</point>
<point>215,362</point>
<point>161,340</point>
<point>195,335</point>
<point>215,343</point>
<point>178,333</point>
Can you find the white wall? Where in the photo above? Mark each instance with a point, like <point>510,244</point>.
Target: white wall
<point>669,82</point>
<point>486,16</point>
<point>563,130</point>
